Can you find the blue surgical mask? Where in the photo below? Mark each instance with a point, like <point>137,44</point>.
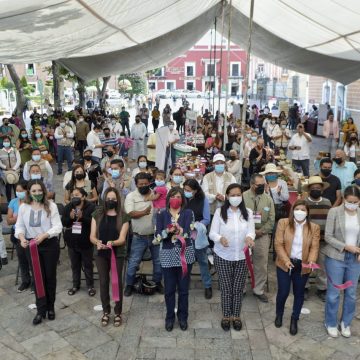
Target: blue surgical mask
<point>357,182</point>
<point>35,176</point>
<point>272,177</point>
<point>24,136</point>
<point>254,138</point>
<point>219,168</point>
<point>36,157</point>
<point>188,194</point>
<point>159,182</point>
<point>142,164</point>
<point>115,173</point>
<point>6,144</point>
<point>248,136</point>
<point>21,195</point>
<point>38,135</point>
<point>177,179</point>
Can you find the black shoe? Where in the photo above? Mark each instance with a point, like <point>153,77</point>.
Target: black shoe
<point>51,315</point>
<point>293,326</point>
<point>321,295</point>
<point>183,325</point>
<point>306,294</point>
<point>4,261</point>
<point>225,324</point>
<point>278,321</point>
<point>128,290</point>
<point>159,288</point>
<point>169,325</point>
<point>23,287</point>
<point>237,324</point>
<point>208,293</point>
<point>38,319</point>
<point>263,298</point>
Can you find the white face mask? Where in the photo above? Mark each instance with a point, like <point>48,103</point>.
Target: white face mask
<point>351,206</point>
<point>300,215</point>
<point>235,200</point>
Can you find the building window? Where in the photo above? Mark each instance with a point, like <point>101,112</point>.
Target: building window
<point>189,69</point>
<point>159,72</point>
<point>260,68</point>
<point>235,69</point>
<point>30,69</point>
<point>170,85</point>
<point>210,69</point>
<point>152,85</point>
<point>190,85</point>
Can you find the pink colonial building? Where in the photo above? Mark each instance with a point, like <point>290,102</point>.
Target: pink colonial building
<point>197,70</point>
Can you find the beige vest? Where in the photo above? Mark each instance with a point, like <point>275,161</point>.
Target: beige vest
<point>64,141</point>
<point>42,166</point>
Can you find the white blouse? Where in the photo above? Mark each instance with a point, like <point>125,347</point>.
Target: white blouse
<point>351,229</point>
<point>235,230</point>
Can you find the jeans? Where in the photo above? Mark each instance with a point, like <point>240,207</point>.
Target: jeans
<point>284,280</point>
<point>64,152</point>
<point>173,279</point>
<point>340,272</point>
<point>81,145</point>
<point>145,122</point>
<point>202,259</point>
<point>138,149</point>
<point>138,246</point>
<point>8,189</point>
<point>81,257</point>
<point>155,123</point>
<point>292,123</point>
<point>125,124</point>
<point>303,165</point>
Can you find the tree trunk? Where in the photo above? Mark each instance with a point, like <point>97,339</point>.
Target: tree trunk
<point>106,80</point>
<point>98,90</point>
<point>20,97</point>
<point>56,84</point>
<point>81,90</point>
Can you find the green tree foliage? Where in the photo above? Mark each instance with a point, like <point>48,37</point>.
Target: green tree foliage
<point>138,82</point>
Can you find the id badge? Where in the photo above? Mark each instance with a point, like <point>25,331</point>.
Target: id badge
<point>257,218</point>
<point>76,228</point>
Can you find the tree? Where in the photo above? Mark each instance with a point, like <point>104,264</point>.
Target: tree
<point>81,90</point>
<point>55,68</point>
<point>138,82</point>
<point>101,92</point>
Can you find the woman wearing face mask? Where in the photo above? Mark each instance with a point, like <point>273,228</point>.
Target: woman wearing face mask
<point>173,227</point>
<point>40,142</point>
<point>348,128</point>
<point>234,166</point>
<point>109,227</point>
<point>176,178</point>
<point>78,180</point>
<point>39,219</point>
<point>23,144</point>
<point>352,148</point>
<point>272,130</point>
<point>342,262</point>
<point>356,180</point>
<point>142,167</point>
<point>77,221</point>
<point>213,144</point>
<point>10,159</point>
<point>282,137</point>
<point>232,229</point>
<point>296,244</point>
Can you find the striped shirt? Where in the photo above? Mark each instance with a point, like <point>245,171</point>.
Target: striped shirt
<point>318,211</point>
<point>111,140</point>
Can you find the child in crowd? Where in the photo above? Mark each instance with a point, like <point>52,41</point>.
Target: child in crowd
<point>124,146</point>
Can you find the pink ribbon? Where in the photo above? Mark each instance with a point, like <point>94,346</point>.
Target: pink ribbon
<point>39,283</point>
<point>182,255</point>
<point>249,265</point>
<point>114,276</point>
<point>344,286</point>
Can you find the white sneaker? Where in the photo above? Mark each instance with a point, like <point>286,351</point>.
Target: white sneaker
<point>345,331</point>
<point>333,331</point>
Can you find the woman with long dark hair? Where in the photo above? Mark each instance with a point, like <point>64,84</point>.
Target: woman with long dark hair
<point>232,229</point>
<point>23,144</point>
<point>352,148</point>
<point>296,244</point>
<point>109,227</point>
<point>38,219</point>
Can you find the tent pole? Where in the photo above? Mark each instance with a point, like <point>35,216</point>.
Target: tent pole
<point>209,85</point>
<point>227,79</point>
<point>221,55</point>
<point>214,88</point>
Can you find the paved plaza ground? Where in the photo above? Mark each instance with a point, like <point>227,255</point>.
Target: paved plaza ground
<point>77,333</point>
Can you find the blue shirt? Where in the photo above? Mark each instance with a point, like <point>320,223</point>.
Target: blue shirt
<point>344,173</point>
<point>14,205</point>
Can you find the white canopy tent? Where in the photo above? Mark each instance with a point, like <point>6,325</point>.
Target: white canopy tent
<point>101,37</point>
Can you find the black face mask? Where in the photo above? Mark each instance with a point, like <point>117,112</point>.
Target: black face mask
<point>326,172</point>
<point>106,134</point>
<point>87,157</point>
<point>259,190</point>
<point>315,193</point>
<point>233,158</point>
<point>111,204</point>
<point>144,189</point>
<point>109,153</point>
<point>338,160</point>
<point>137,121</point>
<point>75,201</point>
<point>79,176</point>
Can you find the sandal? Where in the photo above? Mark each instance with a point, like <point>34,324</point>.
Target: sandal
<point>105,319</point>
<point>117,320</point>
<point>91,292</point>
<point>73,291</point>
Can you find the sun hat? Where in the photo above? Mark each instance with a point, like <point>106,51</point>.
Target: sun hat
<point>270,168</point>
<point>315,180</point>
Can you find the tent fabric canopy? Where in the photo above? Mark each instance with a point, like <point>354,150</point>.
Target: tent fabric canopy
<point>102,37</point>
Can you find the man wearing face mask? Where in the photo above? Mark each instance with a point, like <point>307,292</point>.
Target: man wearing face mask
<point>5,130</point>
<point>82,129</point>
<point>216,182</point>
<point>108,139</point>
<point>319,207</point>
<point>110,154</point>
<point>141,212</point>
<point>343,169</point>
<point>144,114</point>
<point>264,217</point>
<point>138,132</point>
<point>173,138</point>
<point>333,192</point>
<point>124,119</point>
<point>64,135</point>
<point>94,143</point>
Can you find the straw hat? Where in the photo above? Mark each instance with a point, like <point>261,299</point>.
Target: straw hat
<point>270,168</point>
<point>315,180</point>
<point>11,177</point>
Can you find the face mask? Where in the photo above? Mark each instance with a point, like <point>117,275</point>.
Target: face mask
<point>143,190</point>
<point>24,136</point>
<point>188,194</point>
<point>106,134</point>
<point>248,136</point>
<point>272,122</point>
<point>36,157</point>
<point>115,173</point>
<point>271,177</point>
<point>353,139</point>
<point>171,127</point>
<point>350,206</point>
<point>79,176</point>
<point>62,125</point>
<point>175,203</point>
<point>159,182</point>
<point>315,193</point>
<point>76,201</point>
<point>109,153</point>
<point>6,144</point>
<point>259,190</point>
<point>235,200</point>
<point>35,176</point>
<point>21,195</point>
<point>232,158</point>
<point>283,126</point>
<point>300,215</point>
<point>122,137</point>
<point>326,172</point>
<point>37,197</point>
<point>253,138</point>
<point>338,160</point>
<point>142,164</point>
<point>111,204</point>
<point>113,122</point>
<point>213,136</point>
<point>177,179</point>
<point>219,168</point>
<point>137,121</point>
<point>38,135</point>
<point>87,157</point>
<point>357,182</point>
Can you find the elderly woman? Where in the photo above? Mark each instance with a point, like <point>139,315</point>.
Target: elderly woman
<point>234,165</point>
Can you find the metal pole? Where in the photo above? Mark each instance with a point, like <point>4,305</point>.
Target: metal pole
<point>221,53</point>
<point>213,104</point>
<point>210,68</point>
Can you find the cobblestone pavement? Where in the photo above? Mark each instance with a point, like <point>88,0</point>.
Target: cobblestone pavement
<point>77,334</point>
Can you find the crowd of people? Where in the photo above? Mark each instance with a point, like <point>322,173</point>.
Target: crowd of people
<point>239,204</point>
